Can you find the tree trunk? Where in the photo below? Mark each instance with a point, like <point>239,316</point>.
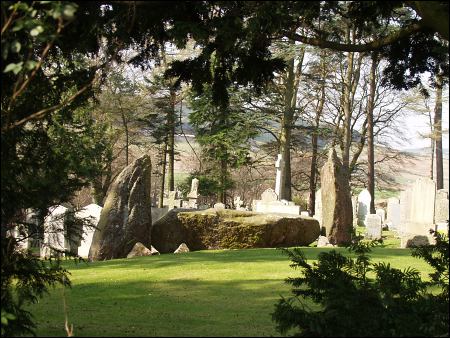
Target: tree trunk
<point>163,176</point>
<point>314,142</point>
<point>347,113</point>
<point>171,140</point>
<point>223,177</point>
<point>438,133</point>
<point>370,136</point>
<point>290,103</point>
<point>125,126</point>
<point>432,142</point>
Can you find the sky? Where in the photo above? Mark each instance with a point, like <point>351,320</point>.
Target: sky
<point>415,124</point>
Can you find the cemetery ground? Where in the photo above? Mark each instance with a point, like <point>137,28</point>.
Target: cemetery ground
<point>202,293</point>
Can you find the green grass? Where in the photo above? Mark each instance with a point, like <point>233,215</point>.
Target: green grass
<point>203,293</point>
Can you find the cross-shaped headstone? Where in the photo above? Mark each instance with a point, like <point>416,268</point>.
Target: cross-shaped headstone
<point>172,201</point>
<point>238,202</point>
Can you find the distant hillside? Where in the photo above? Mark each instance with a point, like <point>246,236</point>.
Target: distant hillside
<point>425,151</point>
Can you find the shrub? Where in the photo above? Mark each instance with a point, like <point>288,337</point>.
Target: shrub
<point>348,303</point>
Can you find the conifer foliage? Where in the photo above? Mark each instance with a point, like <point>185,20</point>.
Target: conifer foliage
<point>349,302</point>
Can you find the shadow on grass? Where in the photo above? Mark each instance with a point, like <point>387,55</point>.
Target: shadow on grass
<point>182,307</point>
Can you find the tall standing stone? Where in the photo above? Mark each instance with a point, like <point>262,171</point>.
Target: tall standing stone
<point>318,206</point>
<point>336,201</point>
<point>126,216</point>
<point>364,199</point>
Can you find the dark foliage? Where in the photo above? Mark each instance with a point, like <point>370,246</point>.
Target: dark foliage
<point>347,303</point>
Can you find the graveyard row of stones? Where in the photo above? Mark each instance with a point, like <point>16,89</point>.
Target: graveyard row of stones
<point>127,220</point>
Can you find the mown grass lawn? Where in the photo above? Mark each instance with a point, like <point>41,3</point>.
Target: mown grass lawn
<point>203,293</point>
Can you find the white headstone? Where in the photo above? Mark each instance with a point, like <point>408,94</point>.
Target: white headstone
<point>54,237</point>
<point>364,199</point>
<point>373,226</point>
<point>269,195</point>
<point>219,206</point>
<point>92,213</point>
<point>381,213</point>
<point>238,203</point>
<point>393,213</point>
<point>279,164</point>
<point>194,189</point>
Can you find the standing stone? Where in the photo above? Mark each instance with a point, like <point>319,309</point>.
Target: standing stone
<point>54,240</point>
<point>393,213</point>
<point>382,214</point>
<point>336,201</point>
<point>279,164</point>
<point>91,214</point>
<point>318,206</point>
<point>126,216</point>
<point>373,226</point>
<point>364,199</point>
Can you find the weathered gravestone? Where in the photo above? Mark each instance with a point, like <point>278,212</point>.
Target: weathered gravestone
<point>420,218</point>
<point>192,196</point>
<point>373,226</point>
<point>126,216</point>
<point>364,199</point>
<point>393,213</point>
<point>336,201</point>
<point>405,206</point>
<point>441,210</point>
<point>172,201</point>
<point>91,215</point>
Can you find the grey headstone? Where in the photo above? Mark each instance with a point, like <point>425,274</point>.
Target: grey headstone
<point>373,226</point>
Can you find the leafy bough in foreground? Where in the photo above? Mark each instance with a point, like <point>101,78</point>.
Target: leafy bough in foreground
<point>336,297</point>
